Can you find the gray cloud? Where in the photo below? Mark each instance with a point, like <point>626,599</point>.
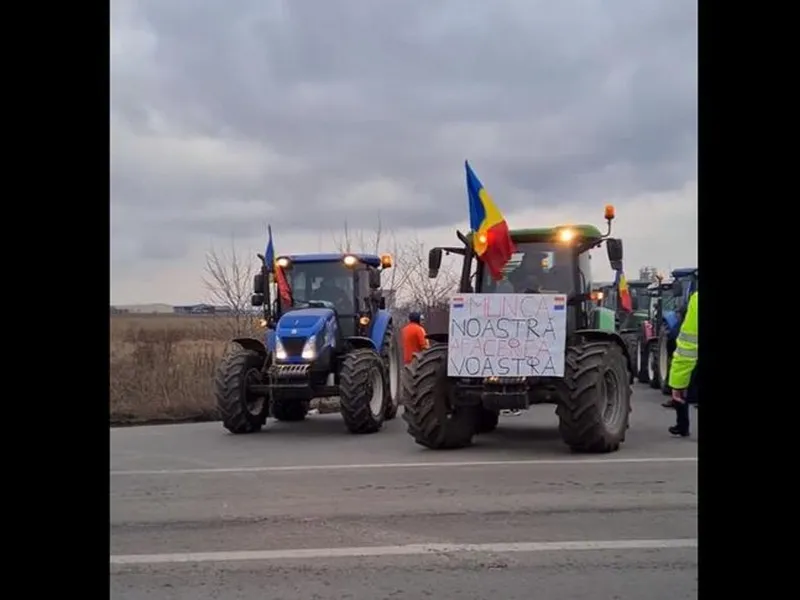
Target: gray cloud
<point>229,114</point>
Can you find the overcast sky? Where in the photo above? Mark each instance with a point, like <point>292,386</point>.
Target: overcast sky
<point>227,115</point>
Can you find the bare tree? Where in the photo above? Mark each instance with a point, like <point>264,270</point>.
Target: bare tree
<point>416,288</point>
<point>228,279</point>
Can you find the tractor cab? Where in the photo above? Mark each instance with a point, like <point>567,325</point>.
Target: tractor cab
<point>348,284</point>
<point>547,260</point>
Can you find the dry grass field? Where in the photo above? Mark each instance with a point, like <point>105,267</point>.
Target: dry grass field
<point>162,366</point>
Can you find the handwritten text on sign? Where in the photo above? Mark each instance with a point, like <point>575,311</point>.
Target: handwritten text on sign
<point>507,335</point>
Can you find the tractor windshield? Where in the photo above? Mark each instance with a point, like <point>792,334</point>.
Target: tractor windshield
<point>323,281</point>
<point>536,267</point>
<point>640,298</point>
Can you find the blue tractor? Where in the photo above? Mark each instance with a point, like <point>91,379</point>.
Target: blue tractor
<point>673,309</point>
<point>331,335</point>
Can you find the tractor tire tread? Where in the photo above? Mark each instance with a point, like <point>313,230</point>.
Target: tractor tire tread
<point>355,391</point>
<point>426,381</point>
<point>580,412</point>
<point>228,391</point>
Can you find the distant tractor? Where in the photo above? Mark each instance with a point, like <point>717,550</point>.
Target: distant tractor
<point>591,385</point>
<point>660,299</point>
<point>684,283</point>
<point>333,338</point>
<point>629,324</point>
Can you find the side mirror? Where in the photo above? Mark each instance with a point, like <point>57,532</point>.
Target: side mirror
<point>374,279</point>
<point>677,289</point>
<point>614,250</point>
<point>434,262</point>
<point>257,300</point>
<point>258,285</point>
<point>382,303</point>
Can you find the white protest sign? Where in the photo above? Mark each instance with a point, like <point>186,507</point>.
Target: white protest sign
<point>507,335</point>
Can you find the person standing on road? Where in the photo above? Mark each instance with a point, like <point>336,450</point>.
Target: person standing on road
<point>414,337</point>
<point>683,377</point>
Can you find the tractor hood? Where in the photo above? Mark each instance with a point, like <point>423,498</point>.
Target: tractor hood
<point>303,322</point>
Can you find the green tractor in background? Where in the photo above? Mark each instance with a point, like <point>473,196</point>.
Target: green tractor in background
<point>592,389</point>
<point>629,324</point>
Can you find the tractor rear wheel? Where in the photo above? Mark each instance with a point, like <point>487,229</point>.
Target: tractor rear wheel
<point>392,355</point>
<point>642,370</point>
<point>241,411</point>
<point>652,364</point>
<point>594,414</point>
<point>362,391</point>
<point>286,409</point>
<point>665,348</point>
<point>431,415</point>
<point>487,420</point>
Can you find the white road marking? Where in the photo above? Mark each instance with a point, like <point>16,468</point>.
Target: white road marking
<point>407,550</point>
<point>410,465</point>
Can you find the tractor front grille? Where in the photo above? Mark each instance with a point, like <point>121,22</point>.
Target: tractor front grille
<point>293,345</point>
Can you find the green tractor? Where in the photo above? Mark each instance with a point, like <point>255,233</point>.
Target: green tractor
<point>629,324</point>
<point>585,370</point>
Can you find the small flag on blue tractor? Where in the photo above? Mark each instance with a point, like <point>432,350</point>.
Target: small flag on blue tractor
<point>269,253</point>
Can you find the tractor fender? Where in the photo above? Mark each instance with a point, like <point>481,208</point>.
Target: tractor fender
<point>252,344</point>
<point>600,334</point>
<point>379,326</point>
<point>360,341</point>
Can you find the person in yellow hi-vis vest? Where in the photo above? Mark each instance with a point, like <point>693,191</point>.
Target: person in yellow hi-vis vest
<point>683,378</point>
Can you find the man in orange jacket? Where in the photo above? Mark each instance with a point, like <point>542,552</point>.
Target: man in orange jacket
<point>414,337</point>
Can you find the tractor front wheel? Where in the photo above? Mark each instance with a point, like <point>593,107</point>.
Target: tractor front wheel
<point>665,348</point>
<point>642,370</point>
<point>362,391</point>
<point>241,410</point>
<point>392,355</point>
<point>432,418</point>
<point>594,414</point>
<point>654,377</point>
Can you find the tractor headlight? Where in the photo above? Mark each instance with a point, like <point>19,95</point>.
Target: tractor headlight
<point>566,235</point>
<point>280,351</point>
<point>310,349</point>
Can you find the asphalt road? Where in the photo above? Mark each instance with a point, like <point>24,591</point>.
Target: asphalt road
<point>308,511</point>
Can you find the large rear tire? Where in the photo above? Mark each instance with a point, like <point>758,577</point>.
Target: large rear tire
<point>241,411</point>
<point>362,391</point>
<point>594,415</point>
<point>431,415</point>
<point>284,409</point>
<point>392,355</point>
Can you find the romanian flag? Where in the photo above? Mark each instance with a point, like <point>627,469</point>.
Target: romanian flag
<point>280,277</point>
<point>624,292</point>
<point>492,241</point>
<point>284,290</point>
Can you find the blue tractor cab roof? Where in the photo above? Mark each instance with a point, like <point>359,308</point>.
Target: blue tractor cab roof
<point>369,259</point>
<point>684,272</point>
